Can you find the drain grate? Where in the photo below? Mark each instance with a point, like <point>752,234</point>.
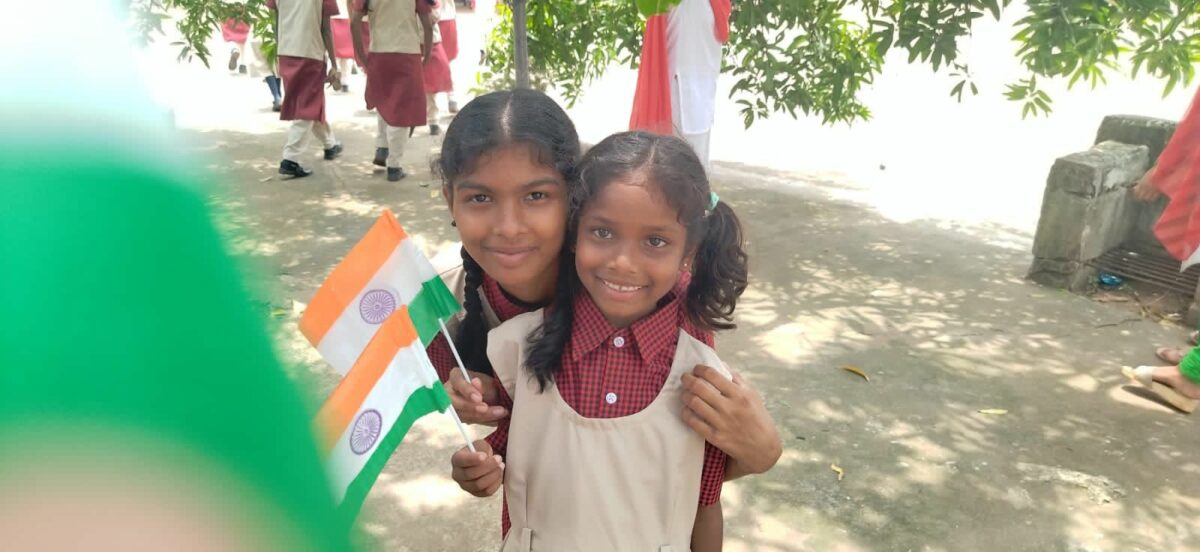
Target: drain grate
<point>1152,269</point>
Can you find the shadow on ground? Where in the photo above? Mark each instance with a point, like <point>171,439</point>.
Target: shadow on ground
<point>939,318</point>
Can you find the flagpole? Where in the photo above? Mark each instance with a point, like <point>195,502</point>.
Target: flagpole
<point>453,413</point>
<point>461,428</point>
<point>453,349</point>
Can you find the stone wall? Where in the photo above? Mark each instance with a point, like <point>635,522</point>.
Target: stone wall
<point>1087,209</point>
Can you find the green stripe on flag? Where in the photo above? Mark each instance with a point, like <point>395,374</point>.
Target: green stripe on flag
<point>433,303</point>
<point>425,400</point>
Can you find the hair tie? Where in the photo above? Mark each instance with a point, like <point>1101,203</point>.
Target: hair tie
<point>712,204</point>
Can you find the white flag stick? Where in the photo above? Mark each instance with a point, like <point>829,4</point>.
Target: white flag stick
<point>462,429</point>
<point>454,350</point>
<point>453,413</point>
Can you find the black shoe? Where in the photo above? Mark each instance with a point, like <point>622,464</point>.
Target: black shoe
<point>453,106</point>
<point>395,174</point>
<point>242,69</point>
<point>333,153</point>
<point>434,130</point>
<point>381,155</point>
<point>233,59</point>
<point>293,169</point>
<point>411,130</point>
<point>276,106</point>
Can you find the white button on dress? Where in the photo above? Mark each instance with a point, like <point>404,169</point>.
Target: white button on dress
<point>611,397</point>
<point>619,342</point>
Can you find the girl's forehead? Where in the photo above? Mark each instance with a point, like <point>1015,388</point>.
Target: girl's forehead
<point>515,165</point>
<point>631,199</point>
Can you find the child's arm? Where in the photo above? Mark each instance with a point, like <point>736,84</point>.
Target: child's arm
<point>427,29</point>
<point>731,415</point>
<point>329,9</point>
<point>356,34</point>
<point>708,533</point>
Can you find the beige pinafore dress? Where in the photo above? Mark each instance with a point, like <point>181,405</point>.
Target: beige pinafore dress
<point>576,484</point>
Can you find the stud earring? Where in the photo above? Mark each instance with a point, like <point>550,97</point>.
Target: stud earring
<point>454,224</point>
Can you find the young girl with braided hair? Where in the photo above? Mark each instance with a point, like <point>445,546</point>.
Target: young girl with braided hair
<point>597,454</point>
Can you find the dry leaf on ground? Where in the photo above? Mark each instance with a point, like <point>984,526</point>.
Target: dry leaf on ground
<point>856,370</point>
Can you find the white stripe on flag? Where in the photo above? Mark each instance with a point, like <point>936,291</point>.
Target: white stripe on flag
<point>402,275</point>
<point>408,372</point>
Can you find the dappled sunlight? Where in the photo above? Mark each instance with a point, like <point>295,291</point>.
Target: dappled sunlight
<point>973,372</point>
<point>422,495</point>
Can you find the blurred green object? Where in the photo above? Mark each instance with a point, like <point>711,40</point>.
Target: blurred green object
<point>655,7</point>
<point>121,311</point>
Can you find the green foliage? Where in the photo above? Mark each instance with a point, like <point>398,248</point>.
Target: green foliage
<point>570,44</point>
<point>197,20</point>
<point>655,7</point>
<point>811,56</point>
<point>815,56</point>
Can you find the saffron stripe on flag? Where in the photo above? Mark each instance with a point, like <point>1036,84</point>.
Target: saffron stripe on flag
<point>371,411</point>
<point>348,310</point>
<point>350,276</point>
<point>340,408</point>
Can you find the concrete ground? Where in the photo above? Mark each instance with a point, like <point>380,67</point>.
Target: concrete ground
<point>1067,457</point>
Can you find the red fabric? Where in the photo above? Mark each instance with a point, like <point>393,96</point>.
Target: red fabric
<point>329,8</point>
<point>1177,175</point>
<point>235,31</point>
<point>437,72</point>
<point>303,88</point>
<point>593,366</point>
<point>652,97</point>
<point>395,89</point>
<point>271,4</point>
<point>449,29</point>
<point>343,41</point>
<point>721,10</point>
<point>504,307</point>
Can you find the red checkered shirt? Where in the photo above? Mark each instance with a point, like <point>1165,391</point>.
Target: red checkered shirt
<point>593,366</point>
<point>504,306</point>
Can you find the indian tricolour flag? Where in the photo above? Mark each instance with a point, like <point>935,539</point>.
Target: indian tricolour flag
<point>390,387</point>
<point>383,272</point>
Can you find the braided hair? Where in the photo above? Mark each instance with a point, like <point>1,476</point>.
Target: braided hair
<point>487,123</point>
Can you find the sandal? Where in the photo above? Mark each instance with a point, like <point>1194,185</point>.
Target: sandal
<point>1144,376</point>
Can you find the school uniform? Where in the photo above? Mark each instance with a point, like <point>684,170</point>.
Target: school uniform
<point>394,84</point>
<point>602,460</point>
<point>302,66</point>
<point>448,27</point>
<point>437,72</point>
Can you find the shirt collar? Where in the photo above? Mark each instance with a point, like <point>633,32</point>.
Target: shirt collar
<point>650,335</point>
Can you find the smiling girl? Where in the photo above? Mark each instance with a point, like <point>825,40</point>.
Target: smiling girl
<point>598,454</point>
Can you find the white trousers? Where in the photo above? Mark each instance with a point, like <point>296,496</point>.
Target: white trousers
<point>297,140</point>
<point>431,109</point>
<point>392,138</point>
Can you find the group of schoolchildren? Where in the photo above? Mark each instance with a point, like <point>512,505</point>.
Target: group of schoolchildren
<point>592,286</point>
<point>405,53</point>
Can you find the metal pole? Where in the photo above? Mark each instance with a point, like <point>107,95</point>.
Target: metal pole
<point>520,43</point>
